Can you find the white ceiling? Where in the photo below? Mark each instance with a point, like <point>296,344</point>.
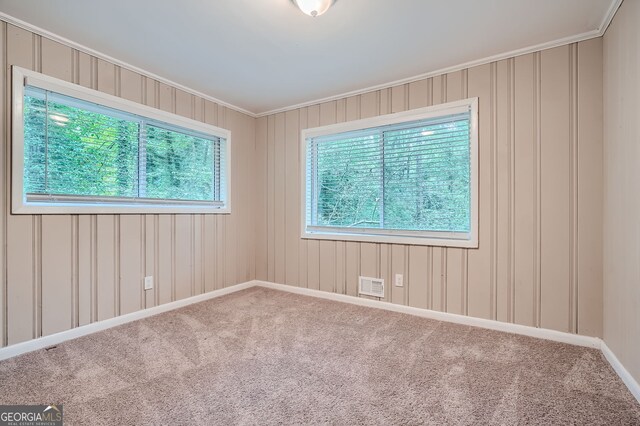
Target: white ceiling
<point>262,55</point>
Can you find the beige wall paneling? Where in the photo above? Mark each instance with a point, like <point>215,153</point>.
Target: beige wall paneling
<point>107,227</point>
<point>260,199</point>
<point>327,248</point>
<point>69,270</point>
<point>439,254</point>
<point>243,172</point>
<point>313,246</point>
<point>555,206</point>
<point>526,260</point>
<point>340,282</point>
<point>391,101</point>
<point>227,223</point>
<point>130,240</point>
<point>416,281</point>
<point>622,186</point>
<point>590,187</point>
<point>130,279</point>
<point>87,76</point>
<point>369,252</point>
<point>106,266</point>
<point>164,281</point>
<point>456,258</point>
<point>479,260</point>
<point>57,305</point>
<point>23,289</point>
<point>529,161</point>
<point>292,197</point>
<point>221,220</point>
<point>352,249</point>
<point>4,192</point>
<point>502,190</point>
<point>247,217</point>
<point>197,224</point>
<point>183,251</point>
<point>271,208</point>
<point>57,231</point>
<point>303,277</point>
<point>279,202</point>
<point>210,116</point>
<point>151,224</point>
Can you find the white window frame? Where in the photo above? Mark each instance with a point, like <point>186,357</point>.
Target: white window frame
<point>19,205</point>
<point>429,238</point>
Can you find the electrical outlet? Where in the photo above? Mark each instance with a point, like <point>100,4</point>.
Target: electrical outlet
<point>399,280</point>
<point>148,283</point>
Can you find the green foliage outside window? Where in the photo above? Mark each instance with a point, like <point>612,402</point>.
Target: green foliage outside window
<point>72,150</point>
<point>415,178</point>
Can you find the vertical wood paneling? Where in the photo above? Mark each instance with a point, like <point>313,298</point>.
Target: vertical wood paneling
<point>106,267</point>
<point>85,272</point>
<point>529,161</point>
<point>327,249</point>
<point>352,249</point>
<point>539,261</point>
<point>271,211</point>
<point>57,307</point>
<point>68,270</point>
<point>340,284</point>
<point>292,197</point>
<point>150,268</point>
<point>279,195</point>
<point>419,265</point>
<point>21,289</point>
<point>590,187</point>
<point>4,192</point>
<point>525,182</point>
<point>479,269</point>
<point>439,259</point>
<point>130,280</point>
<point>556,191</point>
<point>260,199</point>
<point>455,274</point>
<point>313,246</point>
<point>303,243</point>
<point>502,157</point>
<point>211,253</point>
<point>221,223</point>
<point>183,256</point>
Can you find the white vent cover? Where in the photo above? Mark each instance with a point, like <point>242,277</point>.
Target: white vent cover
<point>371,286</point>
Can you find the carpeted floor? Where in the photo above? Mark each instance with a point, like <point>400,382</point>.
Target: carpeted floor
<point>261,356</point>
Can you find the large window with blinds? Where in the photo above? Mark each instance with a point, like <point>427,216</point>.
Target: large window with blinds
<point>76,150</point>
<point>408,178</point>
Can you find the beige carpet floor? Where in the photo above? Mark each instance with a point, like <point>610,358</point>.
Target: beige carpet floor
<point>261,356</point>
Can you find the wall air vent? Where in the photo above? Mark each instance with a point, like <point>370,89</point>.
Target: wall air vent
<point>371,286</point>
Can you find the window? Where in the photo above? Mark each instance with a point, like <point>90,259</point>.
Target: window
<point>407,178</point>
<point>76,150</point>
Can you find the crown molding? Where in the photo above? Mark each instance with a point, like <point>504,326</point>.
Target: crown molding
<point>82,48</point>
<point>599,32</point>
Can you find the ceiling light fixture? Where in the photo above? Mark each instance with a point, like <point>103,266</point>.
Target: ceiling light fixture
<point>313,7</point>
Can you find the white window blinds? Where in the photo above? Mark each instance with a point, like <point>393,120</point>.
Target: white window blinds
<point>79,151</point>
<point>411,178</point>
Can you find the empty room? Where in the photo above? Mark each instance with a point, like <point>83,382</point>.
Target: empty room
<point>346,212</point>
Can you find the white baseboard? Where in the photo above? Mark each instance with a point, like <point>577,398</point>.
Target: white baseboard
<point>542,333</point>
<point>54,339</point>
<point>617,366</point>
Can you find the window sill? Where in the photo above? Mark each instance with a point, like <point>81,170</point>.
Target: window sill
<point>87,208</point>
<point>393,239</point>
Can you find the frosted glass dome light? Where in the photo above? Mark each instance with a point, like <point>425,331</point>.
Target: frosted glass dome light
<point>314,7</point>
